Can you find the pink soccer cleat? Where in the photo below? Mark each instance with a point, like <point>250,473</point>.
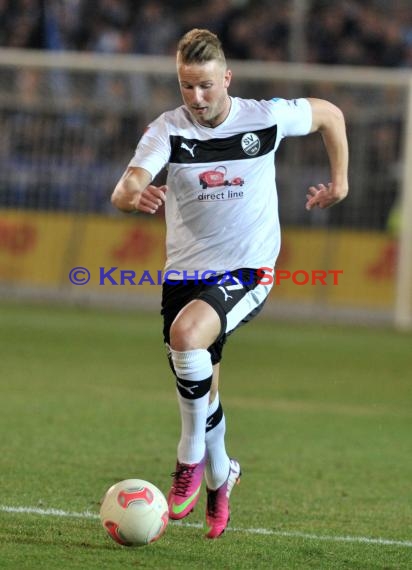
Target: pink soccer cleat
<point>217,509</point>
<point>184,493</point>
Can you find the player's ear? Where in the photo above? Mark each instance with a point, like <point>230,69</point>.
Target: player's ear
<point>228,77</point>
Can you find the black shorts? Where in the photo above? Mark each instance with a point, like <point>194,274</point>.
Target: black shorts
<point>237,297</point>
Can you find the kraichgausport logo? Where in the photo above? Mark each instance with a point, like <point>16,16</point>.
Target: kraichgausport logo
<point>261,276</point>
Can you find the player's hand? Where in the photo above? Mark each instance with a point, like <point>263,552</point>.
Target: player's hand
<point>322,196</point>
<point>150,200</point>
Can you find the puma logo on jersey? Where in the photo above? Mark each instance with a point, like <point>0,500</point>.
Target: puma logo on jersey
<point>191,151</point>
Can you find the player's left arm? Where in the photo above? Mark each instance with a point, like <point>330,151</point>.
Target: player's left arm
<point>328,120</point>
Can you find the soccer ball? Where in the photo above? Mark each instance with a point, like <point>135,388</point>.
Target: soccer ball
<point>134,512</point>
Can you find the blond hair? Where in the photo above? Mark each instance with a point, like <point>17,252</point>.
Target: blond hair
<point>200,46</point>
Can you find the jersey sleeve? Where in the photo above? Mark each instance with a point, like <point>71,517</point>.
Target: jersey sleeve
<point>153,149</point>
<point>293,116</point>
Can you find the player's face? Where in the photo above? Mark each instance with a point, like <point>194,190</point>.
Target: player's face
<point>204,91</point>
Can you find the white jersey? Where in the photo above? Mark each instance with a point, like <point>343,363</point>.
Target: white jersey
<point>221,206</point>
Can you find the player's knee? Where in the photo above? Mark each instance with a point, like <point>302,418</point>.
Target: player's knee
<point>185,335</point>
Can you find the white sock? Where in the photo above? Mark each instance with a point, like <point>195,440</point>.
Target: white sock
<point>218,462</point>
<point>194,372</point>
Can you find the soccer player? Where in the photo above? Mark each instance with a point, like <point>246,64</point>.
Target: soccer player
<point>222,226</point>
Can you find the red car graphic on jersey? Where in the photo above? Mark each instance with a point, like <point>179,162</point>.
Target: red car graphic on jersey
<point>214,178</point>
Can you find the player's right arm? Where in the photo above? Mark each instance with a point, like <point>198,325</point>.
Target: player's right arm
<point>134,192</point>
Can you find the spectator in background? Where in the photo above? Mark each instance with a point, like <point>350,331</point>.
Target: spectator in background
<point>256,33</point>
<point>328,29</point>
<point>155,29</point>
<point>353,32</point>
<point>381,38</point>
<point>110,31</point>
<point>6,17</point>
<point>407,60</point>
<point>66,24</point>
<point>394,46</point>
<point>217,15</point>
<point>24,24</point>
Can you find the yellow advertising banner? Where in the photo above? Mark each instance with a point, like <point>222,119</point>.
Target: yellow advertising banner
<point>337,267</point>
<point>42,248</point>
<point>103,253</point>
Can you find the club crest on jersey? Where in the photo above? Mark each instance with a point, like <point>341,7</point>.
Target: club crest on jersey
<point>250,144</point>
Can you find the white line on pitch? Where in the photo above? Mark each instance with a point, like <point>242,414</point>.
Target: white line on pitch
<point>49,512</point>
<point>262,531</point>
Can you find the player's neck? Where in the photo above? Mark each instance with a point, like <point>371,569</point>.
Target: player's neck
<point>221,118</point>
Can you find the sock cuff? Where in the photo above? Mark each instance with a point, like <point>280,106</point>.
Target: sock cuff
<point>193,365</point>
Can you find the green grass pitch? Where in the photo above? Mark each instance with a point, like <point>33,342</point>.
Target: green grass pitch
<point>318,416</point>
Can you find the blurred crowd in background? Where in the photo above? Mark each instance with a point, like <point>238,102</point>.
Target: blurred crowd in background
<point>67,137</point>
<point>353,32</point>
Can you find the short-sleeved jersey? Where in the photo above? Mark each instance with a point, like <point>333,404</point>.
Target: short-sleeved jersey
<point>222,207</point>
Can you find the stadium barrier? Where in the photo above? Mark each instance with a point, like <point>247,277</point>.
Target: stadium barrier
<point>69,126</point>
